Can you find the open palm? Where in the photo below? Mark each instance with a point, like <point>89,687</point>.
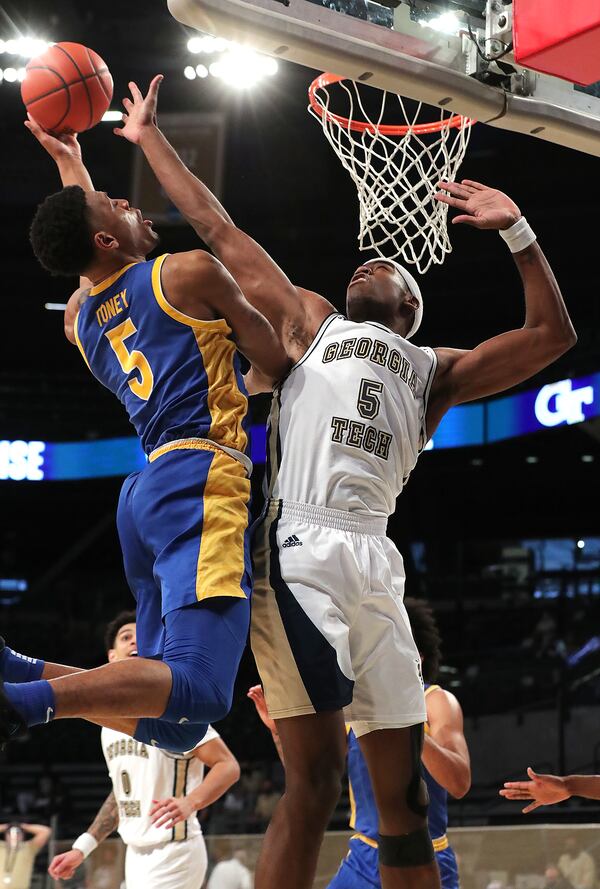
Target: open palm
<point>480,206</point>
<point>544,790</point>
<point>140,111</point>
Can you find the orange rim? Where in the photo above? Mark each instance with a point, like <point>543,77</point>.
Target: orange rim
<point>456,121</point>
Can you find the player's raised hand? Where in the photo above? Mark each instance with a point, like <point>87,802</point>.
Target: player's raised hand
<point>169,812</point>
<point>62,867</point>
<point>544,790</point>
<point>140,111</point>
<point>479,206</point>
<point>62,147</point>
<point>257,695</point>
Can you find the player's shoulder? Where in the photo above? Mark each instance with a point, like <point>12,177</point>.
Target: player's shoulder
<point>189,264</point>
<point>441,702</point>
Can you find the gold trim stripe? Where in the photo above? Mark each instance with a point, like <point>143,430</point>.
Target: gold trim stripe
<point>219,324</point>
<point>227,404</point>
<point>106,282</point>
<point>439,844</point>
<point>179,789</point>
<point>186,444</point>
<point>221,562</point>
<point>78,341</point>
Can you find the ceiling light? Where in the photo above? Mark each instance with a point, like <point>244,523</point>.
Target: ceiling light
<point>447,23</point>
<point>28,47</point>
<point>580,544</point>
<point>189,72</point>
<point>112,115</point>
<point>242,68</point>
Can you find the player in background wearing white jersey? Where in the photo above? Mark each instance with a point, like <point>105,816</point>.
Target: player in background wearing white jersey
<point>154,799</point>
<point>348,422</point>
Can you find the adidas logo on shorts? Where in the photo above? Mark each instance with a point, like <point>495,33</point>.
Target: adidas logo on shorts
<point>292,541</point>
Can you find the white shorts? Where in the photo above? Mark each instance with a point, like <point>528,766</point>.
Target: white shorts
<point>175,865</point>
<point>329,628</point>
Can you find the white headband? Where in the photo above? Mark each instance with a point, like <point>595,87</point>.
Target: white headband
<point>415,290</point>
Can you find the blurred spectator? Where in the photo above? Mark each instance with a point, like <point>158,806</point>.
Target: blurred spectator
<point>266,802</point>
<point>577,865</point>
<point>544,634</point>
<point>18,848</point>
<point>553,879</point>
<point>252,780</point>
<point>234,802</point>
<point>231,873</point>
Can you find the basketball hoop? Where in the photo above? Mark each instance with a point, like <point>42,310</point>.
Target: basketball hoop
<point>395,168</point>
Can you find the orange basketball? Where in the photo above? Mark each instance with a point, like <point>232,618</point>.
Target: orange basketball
<point>67,88</point>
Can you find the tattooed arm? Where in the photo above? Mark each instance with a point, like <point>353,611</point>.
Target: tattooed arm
<point>107,819</point>
<point>62,867</point>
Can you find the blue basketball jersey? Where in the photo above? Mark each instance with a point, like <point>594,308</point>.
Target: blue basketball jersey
<point>177,377</point>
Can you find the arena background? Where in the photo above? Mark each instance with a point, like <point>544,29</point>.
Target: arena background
<point>504,539</point>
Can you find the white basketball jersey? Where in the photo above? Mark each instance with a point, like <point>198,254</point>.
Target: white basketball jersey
<point>140,774</point>
<point>348,422</point>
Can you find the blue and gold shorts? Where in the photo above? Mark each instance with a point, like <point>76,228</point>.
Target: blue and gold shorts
<point>183,526</point>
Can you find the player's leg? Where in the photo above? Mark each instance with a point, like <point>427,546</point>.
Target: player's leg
<point>314,752</point>
<point>15,667</point>
<point>299,640</point>
<point>387,715</point>
<point>406,856</point>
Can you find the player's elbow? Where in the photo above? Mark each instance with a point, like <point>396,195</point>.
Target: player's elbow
<point>552,342</point>
<point>461,784</point>
<point>234,772</point>
<point>564,338</point>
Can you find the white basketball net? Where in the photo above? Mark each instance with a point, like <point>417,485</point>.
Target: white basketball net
<point>396,175</point>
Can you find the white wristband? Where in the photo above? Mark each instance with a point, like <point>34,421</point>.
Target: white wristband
<point>518,236</point>
<point>85,843</point>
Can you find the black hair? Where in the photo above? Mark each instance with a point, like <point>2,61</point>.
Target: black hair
<point>426,635</point>
<point>112,629</point>
<point>60,232</point>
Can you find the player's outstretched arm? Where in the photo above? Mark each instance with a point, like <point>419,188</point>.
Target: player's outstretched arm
<point>512,357</point>
<point>195,282</point>
<point>65,151</point>
<point>294,313</point>
<point>224,772</point>
<point>63,866</point>
<point>445,751</point>
<point>547,790</point>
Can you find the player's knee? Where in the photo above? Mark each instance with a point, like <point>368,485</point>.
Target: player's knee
<point>195,697</point>
<point>316,786</point>
<point>413,849</point>
<point>169,736</point>
<point>403,803</point>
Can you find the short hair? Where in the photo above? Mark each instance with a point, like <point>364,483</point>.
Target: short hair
<point>60,232</point>
<point>426,635</point>
<point>112,629</point>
